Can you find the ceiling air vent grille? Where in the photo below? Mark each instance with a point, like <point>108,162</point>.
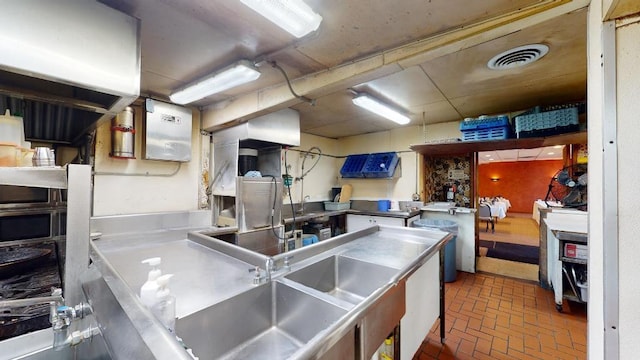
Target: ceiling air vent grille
<point>516,57</point>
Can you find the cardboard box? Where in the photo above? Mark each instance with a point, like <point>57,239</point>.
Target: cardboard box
<point>576,251</point>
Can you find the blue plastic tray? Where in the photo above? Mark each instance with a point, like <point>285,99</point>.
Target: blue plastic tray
<point>380,165</point>
<point>492,122</point>
<point>352,167</point>
<point>498,133</point>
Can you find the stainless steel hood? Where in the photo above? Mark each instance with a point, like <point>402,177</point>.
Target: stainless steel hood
<point>66,66</point>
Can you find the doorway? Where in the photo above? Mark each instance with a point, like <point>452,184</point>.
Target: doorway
<point>509,182</point>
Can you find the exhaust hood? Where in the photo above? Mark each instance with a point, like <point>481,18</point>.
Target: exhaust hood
<point>66,66</point>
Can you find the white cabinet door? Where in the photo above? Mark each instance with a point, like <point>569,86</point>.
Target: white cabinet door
<point>422,306</point>
<point>358,222</point>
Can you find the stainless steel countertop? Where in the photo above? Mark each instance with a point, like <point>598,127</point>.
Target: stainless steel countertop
<point>202,276</point>
<point>207,270</point>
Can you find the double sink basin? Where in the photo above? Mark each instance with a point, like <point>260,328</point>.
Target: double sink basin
<point>300,313</point>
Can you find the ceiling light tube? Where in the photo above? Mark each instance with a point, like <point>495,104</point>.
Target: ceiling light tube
<point>293,16</point>
<point>367,102</point>
<point>232,76</point>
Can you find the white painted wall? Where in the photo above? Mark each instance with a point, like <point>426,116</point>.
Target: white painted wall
<point>628,109</point>
<point>122,194</point>
<point>325,175</point>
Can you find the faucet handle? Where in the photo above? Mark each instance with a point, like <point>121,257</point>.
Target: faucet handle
<point>257,278</point>
<point>287,262</point>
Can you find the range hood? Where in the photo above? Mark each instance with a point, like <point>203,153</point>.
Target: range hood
<point>66,66</point>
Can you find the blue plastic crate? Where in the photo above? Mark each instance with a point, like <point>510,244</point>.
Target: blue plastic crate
<point>486,123</point>
<point>543,123</point>
<point>380,165</point>
<point>497,133</point>
<point>352,167</point>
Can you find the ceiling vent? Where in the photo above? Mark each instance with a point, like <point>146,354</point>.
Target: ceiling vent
<point>516,57</point>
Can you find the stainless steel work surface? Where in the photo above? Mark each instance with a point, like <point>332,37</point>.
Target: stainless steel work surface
<point>202,277</point>
<point>389,248</point>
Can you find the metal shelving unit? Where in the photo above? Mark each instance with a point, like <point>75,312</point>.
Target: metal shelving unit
<point>77,180</point>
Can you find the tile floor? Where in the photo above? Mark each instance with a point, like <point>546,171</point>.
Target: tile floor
<point>494,317</point>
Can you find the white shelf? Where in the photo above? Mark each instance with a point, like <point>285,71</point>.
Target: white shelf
<point>42,177</point>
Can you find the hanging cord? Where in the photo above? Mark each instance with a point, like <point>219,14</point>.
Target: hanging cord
<point>273,207</point>
<point>312,102</point>
<point>293,211</point>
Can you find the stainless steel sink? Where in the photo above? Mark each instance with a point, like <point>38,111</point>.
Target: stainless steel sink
<point>270,321</point>
<point>343,277</point>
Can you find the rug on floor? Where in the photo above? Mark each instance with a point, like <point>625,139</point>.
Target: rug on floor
<point>514,252</point>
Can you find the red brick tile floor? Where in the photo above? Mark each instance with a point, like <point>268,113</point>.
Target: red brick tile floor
<point>494,317</point>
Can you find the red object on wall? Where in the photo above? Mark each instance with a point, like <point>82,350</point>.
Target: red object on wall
<point>522,182</point>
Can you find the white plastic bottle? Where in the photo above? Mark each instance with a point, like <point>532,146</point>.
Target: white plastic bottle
<point>150,287</point>
<point>165,306</point>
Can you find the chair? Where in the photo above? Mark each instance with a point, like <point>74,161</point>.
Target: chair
<point>485,215</point>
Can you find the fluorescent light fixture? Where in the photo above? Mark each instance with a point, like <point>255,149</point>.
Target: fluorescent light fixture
<point>237,74</point>
<point>293,16</point>
<point>365,101</point>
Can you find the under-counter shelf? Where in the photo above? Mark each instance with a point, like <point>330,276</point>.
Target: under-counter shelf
<point>42,177</point>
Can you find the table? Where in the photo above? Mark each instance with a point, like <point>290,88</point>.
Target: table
<point>541,204</point>
<point>498,210</point>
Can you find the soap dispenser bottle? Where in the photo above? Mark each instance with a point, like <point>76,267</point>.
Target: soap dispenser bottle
<point>150,287</point>
<point>165,306</point>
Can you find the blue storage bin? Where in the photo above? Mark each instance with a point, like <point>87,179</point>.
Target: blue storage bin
<point>547,123</point>
<point>486,123</point>
<point>450,272</point>
<point>352,167</point>
<point>380,165</point>
<point>498,133</point>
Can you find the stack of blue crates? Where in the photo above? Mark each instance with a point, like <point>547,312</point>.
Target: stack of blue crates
<point>378,165</point>
<point>484,129</point>
<point>547,123</point>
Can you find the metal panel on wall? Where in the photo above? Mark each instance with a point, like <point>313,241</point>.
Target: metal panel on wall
<point>167,132</point>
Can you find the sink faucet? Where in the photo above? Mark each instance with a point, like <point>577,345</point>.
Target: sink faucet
<point>60,317</point>
<point>304,200</point>
<point>259,278</point>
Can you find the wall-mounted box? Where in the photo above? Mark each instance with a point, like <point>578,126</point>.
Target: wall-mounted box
<point>167,132</point>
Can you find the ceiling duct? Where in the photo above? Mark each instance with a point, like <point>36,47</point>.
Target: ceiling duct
<point>66,66</point>
<point>516,57</point>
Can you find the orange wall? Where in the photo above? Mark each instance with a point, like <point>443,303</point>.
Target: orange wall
<point>521,182</point>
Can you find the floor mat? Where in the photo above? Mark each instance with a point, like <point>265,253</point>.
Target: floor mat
<point>514,252</point>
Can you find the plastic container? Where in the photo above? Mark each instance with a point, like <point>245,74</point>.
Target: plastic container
<point>11,129</point>
<point>584,291</point>
<point>352,167</point>
<point>386,351</point>
<point>308,239</point>
<point>485,123</point>
<point>383,205</point>
<point>380,165</point>
<point>149,289</point>
<point>497,133</point>
<point>26,157</point>
<point>331,205</point>
<point>165,305</point>
<point>547,123</point>
<point>8,156</point>
<point>450,272</point>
